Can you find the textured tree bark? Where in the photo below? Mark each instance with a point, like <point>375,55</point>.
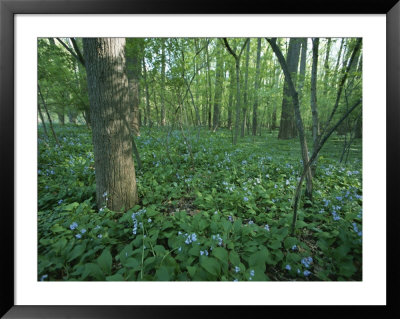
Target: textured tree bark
<point>256,84</point>
<point>110,114</point>
<point>287,129</point>
<point>133,66</point>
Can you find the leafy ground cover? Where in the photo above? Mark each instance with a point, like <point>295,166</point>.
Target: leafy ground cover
<point>208,211</point>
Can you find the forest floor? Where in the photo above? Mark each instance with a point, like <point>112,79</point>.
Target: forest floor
<point>208,211</point>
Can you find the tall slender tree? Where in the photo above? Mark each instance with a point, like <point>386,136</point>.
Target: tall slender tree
<point>163,82</point>
<point>245,90</point>
<point>237,68</point>
<point>256,85</point>
<point>218,88</point>
<point>133,65</point>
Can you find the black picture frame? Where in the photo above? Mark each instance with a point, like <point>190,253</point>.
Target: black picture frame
<point>8,9</point>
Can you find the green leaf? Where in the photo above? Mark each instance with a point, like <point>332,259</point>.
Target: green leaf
<point>105,261</point>
<point>259,258</point>
<point>57,228</point>
<point>221,254</point>
<point>76,252</point>
<point>275,244</point>
<point>234,258</point>
<point>92,270</point>
<point>301,224</point>
<point>211,265</point>
<point>116,277</point>
<point>70,207</point>
<point>131,263</point>
<point>191,270</point>
<point>290,242</point>
<point>162,274</point>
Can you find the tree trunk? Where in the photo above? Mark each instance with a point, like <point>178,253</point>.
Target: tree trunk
<point>256,84</point>
<point>218,89</point>
<point>326,68</point>
<point>287,129</point>
<point>146,86</point>
<point>299,121</point>
<point>42,119</point>
<point>314,111</point>
<point>230,100</point>
<point>209,95</point>
<point>133,64</point>
<point>61,118</point>
<point>48,116</point>
<point>162,82</point>
<point>110,114</point>
<point>303,62</point>
<point>245,94</point>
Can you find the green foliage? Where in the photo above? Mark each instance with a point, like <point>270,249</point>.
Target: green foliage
<point>223,214</point>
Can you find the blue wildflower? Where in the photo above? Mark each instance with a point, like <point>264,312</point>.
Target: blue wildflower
<point>252,273</point>
<point>78,236</point>
<point>60,201</point>
<point>266,227</point>
<point>294,247</point>
<point>237,269</point>
<point>149,220</point>
<point>83,230</point>
<point>100,236</point>
<point>73,225</point>
<point>245,199</point>
<point>43,277</point>
<point>306,273</point>
<point>251,222</point>
<point>288,267</point>
<point>306,261</point>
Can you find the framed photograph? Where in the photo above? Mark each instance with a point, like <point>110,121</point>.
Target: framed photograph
<point>185,74</point>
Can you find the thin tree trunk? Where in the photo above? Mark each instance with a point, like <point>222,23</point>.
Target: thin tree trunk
<point>110,114</point>
<point>237,67</point>
<point>256,84</point>
<point>218,89</point>
<point>162,82</point>
<point>245,93</point>
<point>133,62</point>
<point>146,86</point>
<point>314,111</point>
<point>326,68</point>
<point>230,100</point>
<point>42,119</point>
<point>48,116</point>
<point>299,121</point>
<point>209,95</point>
<point>303,62</point>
